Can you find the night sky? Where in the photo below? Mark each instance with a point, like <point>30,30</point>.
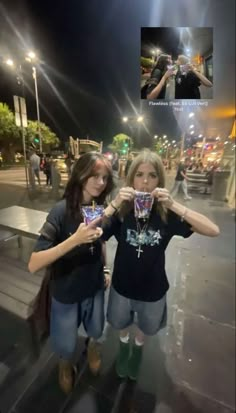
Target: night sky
<point>166,38</point>
<point>90,51</point>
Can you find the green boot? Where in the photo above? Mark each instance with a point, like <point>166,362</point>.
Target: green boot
<point>122,360</point>
<point>135,362</point>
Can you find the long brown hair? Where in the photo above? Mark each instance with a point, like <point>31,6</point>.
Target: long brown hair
<point>162,62</point>
<point>147,156</point>
<point>84,168</point>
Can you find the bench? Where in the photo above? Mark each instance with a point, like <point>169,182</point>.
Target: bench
<point>8,235</point>
<point>18,287</point>
<point>198,182</point>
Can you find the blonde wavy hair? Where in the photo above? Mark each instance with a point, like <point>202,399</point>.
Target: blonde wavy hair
<point>146,156</point>
<point>183,59</point>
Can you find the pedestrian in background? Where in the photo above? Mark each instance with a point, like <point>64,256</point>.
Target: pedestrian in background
<point>115,165</point>
<point>73,251</point>
<point>35,165</point>
<point>128,163</point>
<point>181,180</point>
<point>69,163</point>
<point>139,281</point>
<point>47,169</point>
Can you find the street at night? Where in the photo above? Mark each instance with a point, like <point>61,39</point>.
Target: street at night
<point>117,206</point>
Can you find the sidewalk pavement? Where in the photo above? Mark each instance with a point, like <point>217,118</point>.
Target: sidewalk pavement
<point>189,367</point>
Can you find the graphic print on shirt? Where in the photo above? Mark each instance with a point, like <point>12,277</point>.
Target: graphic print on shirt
<point>148,237</point>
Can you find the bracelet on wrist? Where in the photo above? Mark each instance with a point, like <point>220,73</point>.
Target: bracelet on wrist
<point>183,216</point>
<point>113,206</point>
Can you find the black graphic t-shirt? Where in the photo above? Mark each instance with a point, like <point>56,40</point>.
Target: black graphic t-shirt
<point>187,86</point>
<point>143,278</point>
<point>79,273</point>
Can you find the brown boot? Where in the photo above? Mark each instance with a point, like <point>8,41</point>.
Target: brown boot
<point>94,357</point>
<point>66,375</point>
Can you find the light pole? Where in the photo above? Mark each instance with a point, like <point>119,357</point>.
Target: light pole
<point>133,121</point>
<point>190,116</point>
<point>34,74</point>
<point>20,104</point>
<point>31,57</point>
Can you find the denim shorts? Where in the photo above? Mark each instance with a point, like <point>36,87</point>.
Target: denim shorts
<point>66,318</point>
<point>122,312</point>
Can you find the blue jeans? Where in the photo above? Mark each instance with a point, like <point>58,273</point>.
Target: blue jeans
<point>151,316</point>
<point>66,319</point>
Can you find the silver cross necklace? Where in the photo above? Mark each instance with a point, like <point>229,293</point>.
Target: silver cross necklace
<point>91,248</point>
<point>141,232</point>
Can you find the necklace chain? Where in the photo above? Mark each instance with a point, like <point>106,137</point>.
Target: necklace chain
<point>140,235</point>
<point>141,230</point>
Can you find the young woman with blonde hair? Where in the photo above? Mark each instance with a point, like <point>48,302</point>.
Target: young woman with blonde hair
<point>139,281</point>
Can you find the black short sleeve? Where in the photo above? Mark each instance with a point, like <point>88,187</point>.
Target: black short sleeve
<point>50,230</point>
<point>177,226</point>
<point>156,75</point>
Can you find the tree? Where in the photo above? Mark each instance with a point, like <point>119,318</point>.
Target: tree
<point>11,138</point>
<point>121,143</point>
<point>49,138</point>
<point>146,62</point>
<point>158,147</point>
<point>9,133</point>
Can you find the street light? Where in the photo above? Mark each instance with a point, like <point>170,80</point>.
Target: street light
<point>133,122</point>
<point>31,57</point>
<point>155,136</point>
<point>191,115</point>
<point>9,62</point>
<point>20,81</point>
<point>139,119</point>
<point>131,119</point>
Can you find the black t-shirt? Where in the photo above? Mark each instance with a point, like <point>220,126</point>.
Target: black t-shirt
<point>143,278</point>
<point>157,75</point>
<point>181,168</point>
<point>187,86</point>
<point>78,274</point>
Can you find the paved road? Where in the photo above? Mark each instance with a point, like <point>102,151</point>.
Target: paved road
<point>16,176</point>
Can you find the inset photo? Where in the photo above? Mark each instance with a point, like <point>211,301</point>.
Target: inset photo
<point>176,63</point>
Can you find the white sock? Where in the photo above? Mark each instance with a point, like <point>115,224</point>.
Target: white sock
<point>125,339</point>
<point>138,343</point>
